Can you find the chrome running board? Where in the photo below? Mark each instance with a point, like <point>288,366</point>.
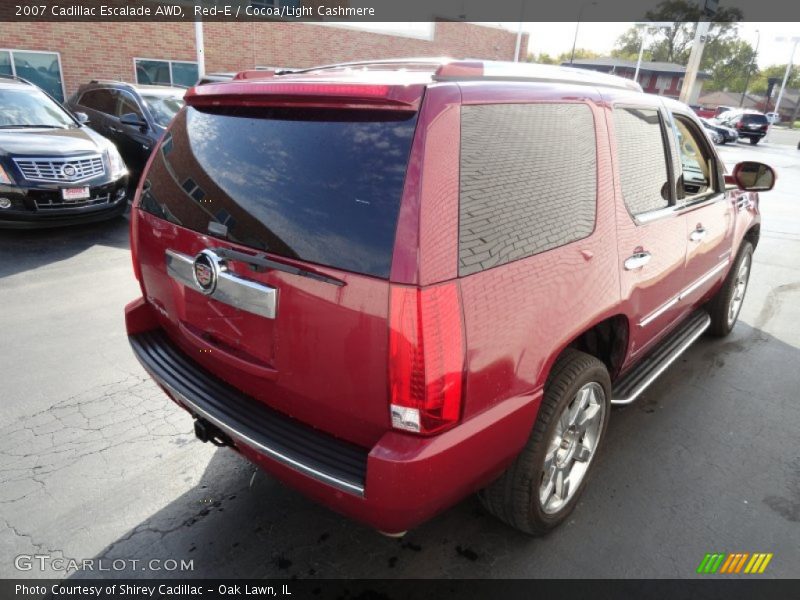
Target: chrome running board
<point>633,383</point>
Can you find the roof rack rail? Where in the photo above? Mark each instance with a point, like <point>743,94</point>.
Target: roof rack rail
<point>115,81</point>
<point>425,62</point>
<point>483,70</point>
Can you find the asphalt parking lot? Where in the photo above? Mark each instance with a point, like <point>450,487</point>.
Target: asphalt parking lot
<point>96,462</point>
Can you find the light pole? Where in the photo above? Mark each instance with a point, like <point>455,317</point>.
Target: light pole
<point>519,31</point>
<point>794,41</point>
<point>577,25</point>
<point>750,68</point>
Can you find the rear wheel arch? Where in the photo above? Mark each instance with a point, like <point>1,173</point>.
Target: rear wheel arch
<point>606,340</point>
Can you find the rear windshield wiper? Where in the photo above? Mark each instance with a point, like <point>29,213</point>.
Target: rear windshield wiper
<point>259,261</point>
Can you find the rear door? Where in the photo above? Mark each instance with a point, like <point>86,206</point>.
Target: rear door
<point>651,231</point>
<point>315,190</point>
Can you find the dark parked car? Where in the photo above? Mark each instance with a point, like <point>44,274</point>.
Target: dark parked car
<point>749,124</point>
<point>720,133</point>
<point>395,285</point>
<point>53,169</point>
<point>134,117</point>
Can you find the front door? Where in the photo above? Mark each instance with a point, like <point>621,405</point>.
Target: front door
<point>651,231</point>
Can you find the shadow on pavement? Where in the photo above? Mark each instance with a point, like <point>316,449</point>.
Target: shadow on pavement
<point>22,250</point>
<point>707,460</point>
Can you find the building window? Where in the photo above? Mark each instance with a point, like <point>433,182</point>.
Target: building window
<point>40,68</point>
<point>166,72</point>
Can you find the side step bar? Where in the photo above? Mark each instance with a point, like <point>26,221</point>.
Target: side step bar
<point>633,383</point>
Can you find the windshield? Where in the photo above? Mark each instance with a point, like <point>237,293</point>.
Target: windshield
<point>163,108</point>
<point>319,185</point>
<point>31,108</point>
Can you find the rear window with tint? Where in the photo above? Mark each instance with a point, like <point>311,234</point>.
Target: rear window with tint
<point>323,186</point>
<point>747,118</point>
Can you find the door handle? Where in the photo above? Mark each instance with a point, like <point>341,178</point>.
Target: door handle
<point>115,130</point>
<point>698,234</point>
<point>637,261</point>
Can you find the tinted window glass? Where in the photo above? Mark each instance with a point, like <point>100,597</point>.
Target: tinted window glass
<point>5,63</point>
<point>103,101</point>
<point>127,104</point>
<point>750,118</point>
<point>185,74</point>
<point>642,161</point>
<point>528,181</point>
<point>319,185</point>
<point>42,69</point>
<point>162,107</point>
<point>153,72</point>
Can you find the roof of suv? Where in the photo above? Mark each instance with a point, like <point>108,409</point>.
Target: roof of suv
<point>13,82</point>
<point>430,70</point>
<point>132,86</point>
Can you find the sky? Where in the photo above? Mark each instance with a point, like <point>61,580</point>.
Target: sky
<point>555,38</point>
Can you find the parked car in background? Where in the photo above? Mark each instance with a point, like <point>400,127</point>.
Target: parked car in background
<point>134,117</point>
<point>749,124</point>
<point>773,118</point>
<point>723,109</point>
<point>386,302</point>
<point>53,169</point>
<point>719,133</point>
<point>706,113</point>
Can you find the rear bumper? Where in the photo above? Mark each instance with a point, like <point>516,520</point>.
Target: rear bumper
<point>397,484</point>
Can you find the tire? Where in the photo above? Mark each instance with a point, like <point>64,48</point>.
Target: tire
<point>754,141</point>
<point>516,496</point>
<point>724,312</point>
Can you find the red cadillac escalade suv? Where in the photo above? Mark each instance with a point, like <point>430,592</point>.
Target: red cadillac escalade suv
<point>393,284</point>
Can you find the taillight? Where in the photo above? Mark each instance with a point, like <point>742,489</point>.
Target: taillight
<point>426,358</point>
<point>134,235</point>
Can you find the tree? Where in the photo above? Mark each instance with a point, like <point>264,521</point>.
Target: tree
<point>674,43</point>
<point>732,61</point>
<point>760,83</point>
<point>546,59</point>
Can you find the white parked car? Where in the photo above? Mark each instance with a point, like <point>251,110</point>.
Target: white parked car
<point>773,118</point>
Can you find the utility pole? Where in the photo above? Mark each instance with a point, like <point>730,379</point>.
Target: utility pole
<point>709,9</point>
<point>694,61</point>
<point>795,41</point>
<point>577,25</point>
<point>199,45</point>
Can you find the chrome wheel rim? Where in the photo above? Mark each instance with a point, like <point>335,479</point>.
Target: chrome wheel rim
<point>740,287</point>
<point>572,447</point>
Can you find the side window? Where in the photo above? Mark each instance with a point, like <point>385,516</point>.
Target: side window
<point>127,104</point>
<point>100,100</point>
<point>528,181</point>
<point>643,173</point>
<point>696,161</point>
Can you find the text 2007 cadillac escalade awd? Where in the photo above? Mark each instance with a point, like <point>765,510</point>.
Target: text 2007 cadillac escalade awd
<point>393,284</point>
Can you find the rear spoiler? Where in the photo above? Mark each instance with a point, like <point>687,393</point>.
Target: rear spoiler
<point>263,92</point>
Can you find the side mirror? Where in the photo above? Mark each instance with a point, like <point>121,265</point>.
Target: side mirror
<point>752,176</point>
<point>82,117</point>
<point>133,120</point>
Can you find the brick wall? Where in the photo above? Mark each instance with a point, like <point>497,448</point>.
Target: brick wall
<point>106,50</point>
<point>101,50</point>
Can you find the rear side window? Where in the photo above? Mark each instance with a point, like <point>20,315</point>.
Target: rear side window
<point>323,186</point>
<point>643,174</point>
<point>528,181</point>
<point>100,100</point>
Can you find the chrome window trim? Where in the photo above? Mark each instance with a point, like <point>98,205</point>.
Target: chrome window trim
<point>239,292</point>
<point>684,293</point>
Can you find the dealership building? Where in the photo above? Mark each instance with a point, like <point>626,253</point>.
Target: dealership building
<point>60,56</point>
